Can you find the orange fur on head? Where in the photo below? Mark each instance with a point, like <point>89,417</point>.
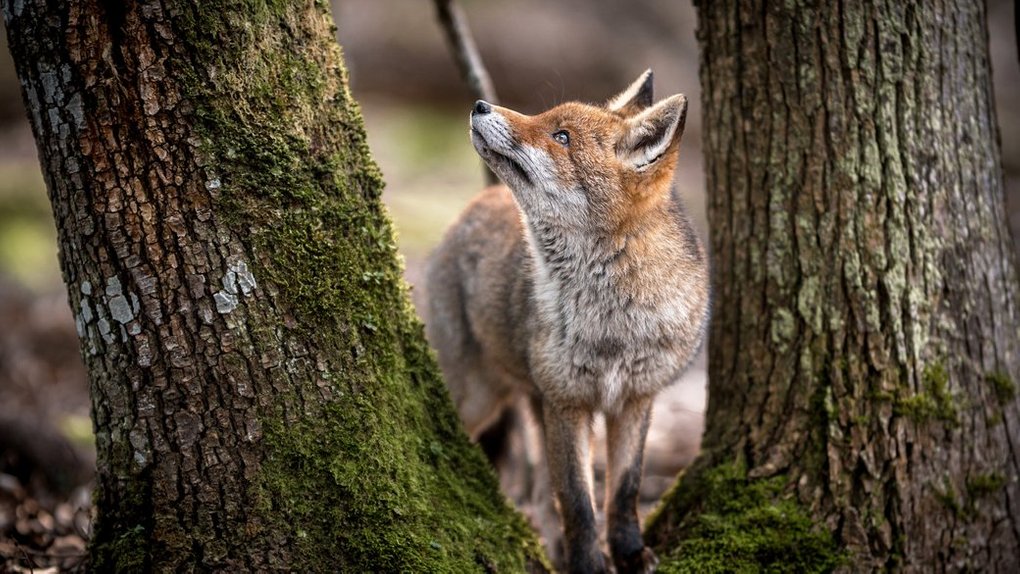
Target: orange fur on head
<point>619,192</point>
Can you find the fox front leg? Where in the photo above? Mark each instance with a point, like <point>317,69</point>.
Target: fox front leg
<point>625,439</point>
<point>567,442</point>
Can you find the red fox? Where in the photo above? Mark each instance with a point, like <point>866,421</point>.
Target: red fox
<point>581,285</point>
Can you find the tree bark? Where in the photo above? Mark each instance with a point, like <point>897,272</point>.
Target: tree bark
<point>263,397</point>
<point>863,354</point>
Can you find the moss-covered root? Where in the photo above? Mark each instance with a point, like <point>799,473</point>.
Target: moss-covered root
<point>730,523</point>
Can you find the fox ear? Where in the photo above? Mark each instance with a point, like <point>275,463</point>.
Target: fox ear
<point>649,134</point>
<point>635,98</point>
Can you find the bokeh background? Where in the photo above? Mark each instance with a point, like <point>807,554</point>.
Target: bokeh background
<point>538,53</point>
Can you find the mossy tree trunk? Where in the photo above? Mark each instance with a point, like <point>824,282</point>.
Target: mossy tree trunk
<point>866,338</point>
<point>263,397</point>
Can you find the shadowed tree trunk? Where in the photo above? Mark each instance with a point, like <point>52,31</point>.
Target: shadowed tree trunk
<point>864,349</point>
<point>263,397</point>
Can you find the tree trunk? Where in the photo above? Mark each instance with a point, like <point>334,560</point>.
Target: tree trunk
<point>263,397</point>
<point>864,349</point>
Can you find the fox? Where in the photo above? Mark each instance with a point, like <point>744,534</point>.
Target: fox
<point>581,285</point>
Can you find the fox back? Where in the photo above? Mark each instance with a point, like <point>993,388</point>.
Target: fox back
<point>581,283</point>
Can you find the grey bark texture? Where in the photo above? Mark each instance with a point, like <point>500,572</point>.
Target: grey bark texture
<point>864,345</point>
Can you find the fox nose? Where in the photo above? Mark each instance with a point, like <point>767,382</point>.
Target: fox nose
<point>481,107</point>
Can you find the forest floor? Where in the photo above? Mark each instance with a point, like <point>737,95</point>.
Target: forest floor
<point>45,435</point>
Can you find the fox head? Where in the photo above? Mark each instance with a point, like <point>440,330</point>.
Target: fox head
<point>580,166</point>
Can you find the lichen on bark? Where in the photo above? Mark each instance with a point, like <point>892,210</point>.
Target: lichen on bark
<point>864,278</point>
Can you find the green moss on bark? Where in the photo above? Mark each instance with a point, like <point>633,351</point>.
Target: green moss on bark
<point>122,540</point>
<point>393,498</point>
<point>731,523</point>
<point>934,403</point>
<point>984,485</point>
<point>125,552</point>
<point>977,488</point>
<point>1004,387</point>
<point>947,497</point>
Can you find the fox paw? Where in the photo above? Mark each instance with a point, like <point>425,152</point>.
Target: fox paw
<point>642,562</point>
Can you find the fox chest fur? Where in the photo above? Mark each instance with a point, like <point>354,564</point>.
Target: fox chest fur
<point>612,317</point>
<point>579,319</point>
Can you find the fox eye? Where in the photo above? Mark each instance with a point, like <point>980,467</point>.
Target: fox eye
<point>562,137</point>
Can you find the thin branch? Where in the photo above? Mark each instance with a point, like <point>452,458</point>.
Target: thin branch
<point>462,46</point>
